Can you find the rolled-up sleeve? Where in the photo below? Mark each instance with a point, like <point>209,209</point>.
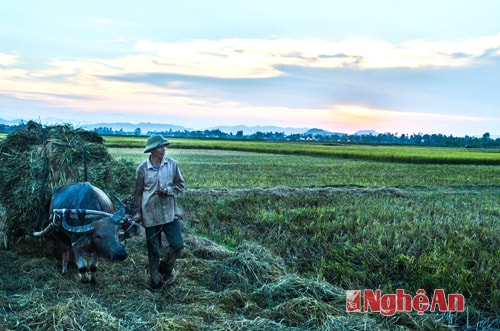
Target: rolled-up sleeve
<point>138,189</point>
<point>178,182</point>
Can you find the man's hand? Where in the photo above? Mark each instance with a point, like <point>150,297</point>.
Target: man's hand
<point>170,190</point>
<point>137,218</point>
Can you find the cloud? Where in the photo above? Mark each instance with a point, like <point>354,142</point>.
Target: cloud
<point>370,114</point>
<point>353,117</point>
<point>262,58</point>
<point>7,60</point>
<point>259,58</point>
<point>121,84</point>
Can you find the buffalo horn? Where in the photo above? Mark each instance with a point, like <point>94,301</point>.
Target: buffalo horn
<point>83,211</point>
<point>119,213</point>
<point>76,229</point>
<point>44,231</point>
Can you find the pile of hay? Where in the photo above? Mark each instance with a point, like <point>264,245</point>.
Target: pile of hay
<point>38,159</point>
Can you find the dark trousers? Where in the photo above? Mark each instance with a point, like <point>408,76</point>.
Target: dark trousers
<point>173,234</point>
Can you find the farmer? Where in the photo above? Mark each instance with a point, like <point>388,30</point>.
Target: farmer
<point>157,180</point>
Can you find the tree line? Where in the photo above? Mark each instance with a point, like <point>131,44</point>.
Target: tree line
<point>485,141</point>
<point>419,139</point>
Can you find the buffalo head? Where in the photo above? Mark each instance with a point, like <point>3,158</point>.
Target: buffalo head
<point>100,235</point>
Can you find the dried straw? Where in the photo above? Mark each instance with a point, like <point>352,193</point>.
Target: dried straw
<point>38,159</point>
<point>35,296</point>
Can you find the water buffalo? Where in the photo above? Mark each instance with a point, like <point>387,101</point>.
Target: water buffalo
<point>82,216</point>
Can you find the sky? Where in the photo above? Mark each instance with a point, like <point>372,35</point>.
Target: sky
<point>426,66</point>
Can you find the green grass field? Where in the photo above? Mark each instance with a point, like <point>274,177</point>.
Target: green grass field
<point>354,222</point>
<point>210,168</point>
<point>406,154</point>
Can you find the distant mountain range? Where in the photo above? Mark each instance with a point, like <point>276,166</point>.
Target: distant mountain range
<point>13,122</point>
<point>154,127</point>
<point>126,127</point>
<point>147,127</point>
<point>130,127</point>
<point>322,132</point>
<point>252,129</point>
<point>366,133</point>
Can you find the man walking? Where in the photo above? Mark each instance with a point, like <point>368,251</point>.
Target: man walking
<point>158,179</point>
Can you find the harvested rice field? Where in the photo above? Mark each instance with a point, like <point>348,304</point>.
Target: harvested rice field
<point>273,241</point>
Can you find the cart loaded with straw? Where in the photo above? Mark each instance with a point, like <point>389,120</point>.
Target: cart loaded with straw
<point>37,159</point>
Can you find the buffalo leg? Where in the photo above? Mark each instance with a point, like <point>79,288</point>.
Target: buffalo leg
<point>65,261</point>
<point>64,258</point>
<point>81,264</point>
<point>93,268</point>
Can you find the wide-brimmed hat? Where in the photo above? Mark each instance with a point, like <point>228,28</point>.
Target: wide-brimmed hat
<point>155,141</point>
